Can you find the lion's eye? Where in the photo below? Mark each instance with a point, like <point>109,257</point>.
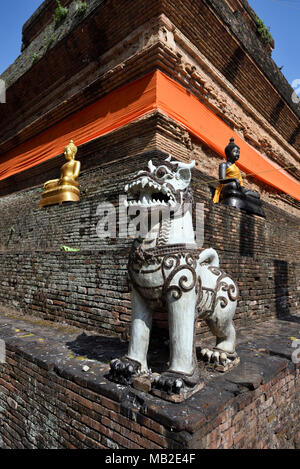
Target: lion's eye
<point>161,172</point>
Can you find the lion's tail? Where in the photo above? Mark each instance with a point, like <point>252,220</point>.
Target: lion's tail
<point>209,255</point>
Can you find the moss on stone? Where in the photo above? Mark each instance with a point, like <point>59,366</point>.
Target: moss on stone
<point>60,13</point>
<point>263,31</point>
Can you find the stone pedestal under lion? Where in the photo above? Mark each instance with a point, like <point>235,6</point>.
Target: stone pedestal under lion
<point>167,269</point>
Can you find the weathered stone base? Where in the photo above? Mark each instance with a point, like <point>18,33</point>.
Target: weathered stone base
<point>48,401</point>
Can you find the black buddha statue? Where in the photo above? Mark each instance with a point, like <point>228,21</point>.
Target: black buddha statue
<point>231,191</point>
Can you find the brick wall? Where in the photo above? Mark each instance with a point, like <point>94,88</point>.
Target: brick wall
<point>89,288</point>
<point>45,399</point>
<point>237,54</point>
<point>39,20</point>
<point>62,414</point>
<point>199,23</point>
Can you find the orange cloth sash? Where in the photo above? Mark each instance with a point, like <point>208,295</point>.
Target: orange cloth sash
<point>130,102</point>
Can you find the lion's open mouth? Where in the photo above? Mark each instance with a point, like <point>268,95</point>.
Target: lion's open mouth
<point>147,192</point>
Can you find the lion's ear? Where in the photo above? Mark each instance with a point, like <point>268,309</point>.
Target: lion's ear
<point>151,166</point>
<point>185,174</point>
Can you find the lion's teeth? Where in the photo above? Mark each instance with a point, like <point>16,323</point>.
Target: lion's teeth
<point>144,199</point>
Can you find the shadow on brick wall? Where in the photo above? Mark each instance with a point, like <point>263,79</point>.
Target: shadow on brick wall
<point>247,236</point>
<point>281,280</point>
<point>231,70</point>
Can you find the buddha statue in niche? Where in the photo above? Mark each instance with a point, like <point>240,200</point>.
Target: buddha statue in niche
<point>64,189</point>
<point>231,191</point>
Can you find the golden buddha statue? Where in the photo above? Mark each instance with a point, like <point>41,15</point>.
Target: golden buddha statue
<point>64,189</point>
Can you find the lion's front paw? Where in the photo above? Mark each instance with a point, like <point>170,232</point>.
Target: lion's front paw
<point>169,383</point>
<point>123,370</point>
<point>176,387</point>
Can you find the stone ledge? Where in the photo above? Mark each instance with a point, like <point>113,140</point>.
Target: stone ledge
<point>265,352</point>
<point>39,20</point>
<point>90,94</point>
<point>256,50</point>
<point>35,43</point>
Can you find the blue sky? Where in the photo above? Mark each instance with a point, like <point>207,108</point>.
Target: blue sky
<point>13,14</point>
<point>283,16</point>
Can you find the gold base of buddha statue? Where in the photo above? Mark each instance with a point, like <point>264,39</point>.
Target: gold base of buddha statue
<point>64,193</point>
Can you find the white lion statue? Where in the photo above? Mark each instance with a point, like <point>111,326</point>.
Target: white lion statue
<point>166,268</point>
